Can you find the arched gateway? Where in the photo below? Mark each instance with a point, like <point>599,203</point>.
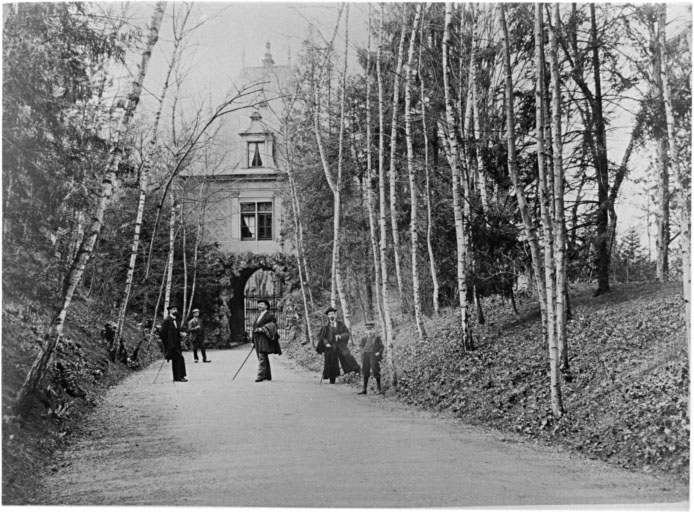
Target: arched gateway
<point>239,191</point>
<point>252,285</point>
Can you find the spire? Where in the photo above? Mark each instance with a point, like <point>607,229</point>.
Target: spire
<point>267,60</point>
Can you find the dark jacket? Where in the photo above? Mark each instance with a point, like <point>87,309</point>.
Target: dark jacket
<point>171,336</point>
<point>338,353</point>
<point>375,347</point>
<point>265,335</point>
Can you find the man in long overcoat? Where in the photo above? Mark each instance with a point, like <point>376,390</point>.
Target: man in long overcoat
<point>332,343</point>
<point>171,337</point>
<point>265,340</point>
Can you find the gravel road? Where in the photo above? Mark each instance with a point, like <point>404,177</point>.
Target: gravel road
<point>294,442</point>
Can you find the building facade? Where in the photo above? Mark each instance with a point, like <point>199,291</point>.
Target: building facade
<point>240,187</point>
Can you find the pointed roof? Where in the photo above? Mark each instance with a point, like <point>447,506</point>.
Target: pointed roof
<point>257,125</point>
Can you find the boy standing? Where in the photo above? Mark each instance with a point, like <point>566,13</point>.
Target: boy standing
<point>371,355</point>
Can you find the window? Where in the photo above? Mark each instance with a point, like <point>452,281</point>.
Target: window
<point>255,151</point>
<point>256,221</point>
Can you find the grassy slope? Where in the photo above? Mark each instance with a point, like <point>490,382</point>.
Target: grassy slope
<point>27,445</point>
<point>627,402</point>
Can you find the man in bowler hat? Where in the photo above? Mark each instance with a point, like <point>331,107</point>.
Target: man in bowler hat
<point>265,340</point>
<point>171,336</point>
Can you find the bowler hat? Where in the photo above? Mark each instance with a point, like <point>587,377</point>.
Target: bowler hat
<point>172,306</point>
<point>263,301</point>
<point>330,310</point>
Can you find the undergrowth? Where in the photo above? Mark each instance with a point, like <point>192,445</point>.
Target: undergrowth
<point>626,396</point>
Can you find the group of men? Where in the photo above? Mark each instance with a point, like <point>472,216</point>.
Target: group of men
<point>171,337</point>
<point>333,344</point>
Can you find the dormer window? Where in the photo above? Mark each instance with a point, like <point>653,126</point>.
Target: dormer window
<point>258,139</point>
<point>255,152</point>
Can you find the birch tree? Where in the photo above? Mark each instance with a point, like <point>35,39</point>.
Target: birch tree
<point>143,182</point>
<point>385,295</point>
<point>447,131</point>
<point>392,173</point>
<point>74,277</point>
<point>414,190</point>
<point>683,190</point>
<point>530,232</point>
<point>425,132</point>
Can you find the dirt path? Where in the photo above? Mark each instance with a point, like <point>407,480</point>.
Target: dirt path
<point>294,442</point>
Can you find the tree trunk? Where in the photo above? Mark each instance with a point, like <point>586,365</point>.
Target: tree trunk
<point>392,174</point>
<point>562,308</point>
<point>529,227</point>
<point>451,148</point>
<point>683,191</point>
<point>414,189</point>
<point>144,184</point>
<point>373,227</point>
<point>388,327</point>
<point>38,368</point>
<point>425,133</point>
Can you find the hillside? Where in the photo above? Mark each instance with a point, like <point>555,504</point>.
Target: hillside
<point>627,402</point>
<point>27,445</point>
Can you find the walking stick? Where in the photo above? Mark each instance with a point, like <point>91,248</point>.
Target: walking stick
<point>159,371</point>
<point>244,362</point>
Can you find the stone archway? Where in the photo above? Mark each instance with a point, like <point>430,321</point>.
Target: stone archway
<point>238,269</point>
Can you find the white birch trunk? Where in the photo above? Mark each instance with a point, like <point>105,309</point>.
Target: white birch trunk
<point>373,228</point>
<point>388,327</point>
<point>38,367</point>
<point>392,174</point>
<point>414,190</point>
<point>559,220</point>
<point>450,144</point>
<point>425,132</point>
<point>530,232</point>
<point>546,211</point>
<point>143,185</point>
<point>683,193</point>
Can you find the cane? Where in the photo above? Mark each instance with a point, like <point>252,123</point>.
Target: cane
<point>158,372</point>
<point>244,362</point>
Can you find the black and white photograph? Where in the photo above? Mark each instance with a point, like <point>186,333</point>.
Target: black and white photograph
<point>346,255</point>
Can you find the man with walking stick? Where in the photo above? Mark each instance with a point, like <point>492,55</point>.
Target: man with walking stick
<point>265,340</point>
<point>171,337</point>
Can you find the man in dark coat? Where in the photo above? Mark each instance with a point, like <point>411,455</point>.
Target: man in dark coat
<point>171,337</point>
<point>332,343</point>
<point>371,355</point>
<point>265,340</point>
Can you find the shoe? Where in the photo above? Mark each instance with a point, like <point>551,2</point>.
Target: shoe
<point>362,392</point>
<point>206,361</point>
<point>182,379</point>
<point>259,380</point>
<point>198,361</point>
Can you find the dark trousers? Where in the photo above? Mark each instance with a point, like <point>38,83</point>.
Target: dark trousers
<point>178,365</point>
<point>199,345</point>
<point>264,370</point>
<point>370,365</point>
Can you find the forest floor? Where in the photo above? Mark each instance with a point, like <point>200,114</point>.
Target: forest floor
<point>626,402</point>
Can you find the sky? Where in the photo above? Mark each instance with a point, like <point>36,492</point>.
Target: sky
<point>236,34</point>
